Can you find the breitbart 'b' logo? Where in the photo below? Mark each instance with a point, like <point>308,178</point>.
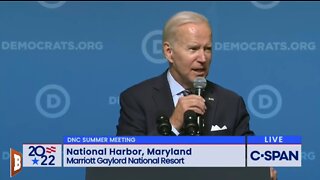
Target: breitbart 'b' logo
<point>15,162</point>
<point>42,155</point>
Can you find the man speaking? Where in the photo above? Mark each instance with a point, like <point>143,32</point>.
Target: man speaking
<point>181,101</point>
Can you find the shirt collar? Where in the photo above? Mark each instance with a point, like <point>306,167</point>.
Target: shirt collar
<point>175,87</point>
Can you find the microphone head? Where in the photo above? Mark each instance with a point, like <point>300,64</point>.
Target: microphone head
<point>164,126</point>
<point>190,123</point>
<point>200,83</point>
<point>190,115</point>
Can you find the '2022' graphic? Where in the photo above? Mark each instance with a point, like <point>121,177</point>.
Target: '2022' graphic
<point>40,152</point>
<point>42,155</point>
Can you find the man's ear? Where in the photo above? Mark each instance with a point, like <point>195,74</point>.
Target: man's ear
<point>167,50</point>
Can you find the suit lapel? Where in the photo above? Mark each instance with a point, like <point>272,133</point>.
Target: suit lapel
<point>162,96</point>
<point>211,103</point>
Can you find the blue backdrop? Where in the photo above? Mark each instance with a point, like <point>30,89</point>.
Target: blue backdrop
<point>64,64</point>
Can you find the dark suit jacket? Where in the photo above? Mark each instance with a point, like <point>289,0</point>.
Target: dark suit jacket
<point>143,103</point>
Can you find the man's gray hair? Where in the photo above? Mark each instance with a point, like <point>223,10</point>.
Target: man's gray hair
<point>184,17</point>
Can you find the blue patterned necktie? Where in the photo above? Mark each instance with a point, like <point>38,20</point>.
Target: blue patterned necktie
<point>185,92</point>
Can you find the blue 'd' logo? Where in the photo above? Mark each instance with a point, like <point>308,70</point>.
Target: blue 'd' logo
<point>264,101</point>
<point>52,101</point>
<point>152,47</point>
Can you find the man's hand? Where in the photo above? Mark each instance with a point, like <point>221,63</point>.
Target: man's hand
<point>191,102</point>
<point>273,174</point>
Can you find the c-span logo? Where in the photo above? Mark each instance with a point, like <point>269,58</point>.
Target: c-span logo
<point>15,162</point>
<point>42,155</point>
<point>281,151</point>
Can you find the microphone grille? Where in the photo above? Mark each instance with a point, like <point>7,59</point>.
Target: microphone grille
<point>199,83</point>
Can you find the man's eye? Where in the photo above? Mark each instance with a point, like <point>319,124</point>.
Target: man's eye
<point>208,48</point>
<point>194,48</point>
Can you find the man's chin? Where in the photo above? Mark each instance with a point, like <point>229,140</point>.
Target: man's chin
<point>199,75</point>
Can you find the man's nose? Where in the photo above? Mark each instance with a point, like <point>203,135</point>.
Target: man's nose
<point>202,56</point>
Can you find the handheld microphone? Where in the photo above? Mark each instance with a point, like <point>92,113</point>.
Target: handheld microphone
<point>164,126</point>
<point>199,84</point>
<point>190,123</point>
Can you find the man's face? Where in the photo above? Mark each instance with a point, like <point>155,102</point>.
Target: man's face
<point>190,55</point>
